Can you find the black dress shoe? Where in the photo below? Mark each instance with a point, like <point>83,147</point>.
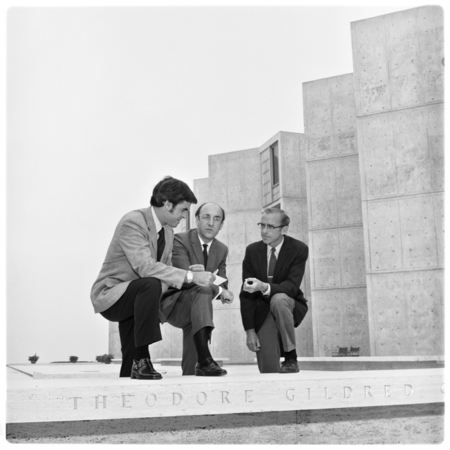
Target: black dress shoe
<point>143,370</point>
<point>209,368</point>
<point>289,366</point>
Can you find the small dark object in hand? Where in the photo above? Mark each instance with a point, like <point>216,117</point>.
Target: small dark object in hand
<point>249,282</point>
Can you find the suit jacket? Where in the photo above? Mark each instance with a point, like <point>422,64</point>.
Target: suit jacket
<point>132,255</point>
<point>187,250</point>
<point>287,278</point>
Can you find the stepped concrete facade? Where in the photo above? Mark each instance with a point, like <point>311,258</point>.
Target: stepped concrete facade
<point>364,187</point>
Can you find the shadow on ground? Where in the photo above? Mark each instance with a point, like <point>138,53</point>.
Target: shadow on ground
<point>406,424</point>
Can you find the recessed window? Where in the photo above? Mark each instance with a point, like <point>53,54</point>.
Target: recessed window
<point>274,156</point>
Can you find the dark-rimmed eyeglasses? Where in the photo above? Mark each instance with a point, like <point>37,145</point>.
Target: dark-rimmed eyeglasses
<point>265,226</point>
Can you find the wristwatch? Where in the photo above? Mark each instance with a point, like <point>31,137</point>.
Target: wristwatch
<point>189,276</point>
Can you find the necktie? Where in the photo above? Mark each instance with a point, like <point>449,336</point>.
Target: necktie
<point>205,254</point>
<point>161,244</point>
<point>272,264</point>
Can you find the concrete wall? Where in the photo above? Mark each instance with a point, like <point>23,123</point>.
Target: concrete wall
<point>338,276</point>
<point>398,64</point>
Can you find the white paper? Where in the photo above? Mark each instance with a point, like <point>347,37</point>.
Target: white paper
<point>219,280</point>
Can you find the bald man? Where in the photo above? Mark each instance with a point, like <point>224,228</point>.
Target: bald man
<point>190,308</point>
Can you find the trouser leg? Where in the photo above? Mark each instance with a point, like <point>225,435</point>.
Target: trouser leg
<point>282,307</point>
<point>126,333</point>
<point>189,352</point>
<point>268,356</point>
<point>137,312</point>
<point>192,312</point>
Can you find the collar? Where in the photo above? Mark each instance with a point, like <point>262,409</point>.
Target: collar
<point>277,248</point>
<point>203,243</point>
<point>156,220</point>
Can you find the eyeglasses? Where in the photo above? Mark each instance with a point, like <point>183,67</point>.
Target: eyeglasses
<point>265,226</point>
<point>207,218</point>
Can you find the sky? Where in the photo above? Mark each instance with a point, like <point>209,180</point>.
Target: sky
<point>103,102</point>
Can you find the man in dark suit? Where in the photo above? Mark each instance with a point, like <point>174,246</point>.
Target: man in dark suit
<point>272,303</point>
<point>190,307</point>
<point>137,269</point>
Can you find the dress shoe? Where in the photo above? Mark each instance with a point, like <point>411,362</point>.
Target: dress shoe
<point>143,370</point>
<point>289,366</point>
<point>209,368</point>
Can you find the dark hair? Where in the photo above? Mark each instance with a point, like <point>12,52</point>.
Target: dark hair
<point>285,220</point>
<point>197,213</point>
<point>173,190</point>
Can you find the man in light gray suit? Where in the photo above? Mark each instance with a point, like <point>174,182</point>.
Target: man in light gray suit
<point>138,269</point>
<point>190,307</point>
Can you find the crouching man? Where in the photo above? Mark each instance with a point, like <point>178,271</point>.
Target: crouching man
<point>137,269</point>
<point>190,308</point>
<point>272,303</point>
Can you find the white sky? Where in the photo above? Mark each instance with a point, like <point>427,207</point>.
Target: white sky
<point>103,102</point>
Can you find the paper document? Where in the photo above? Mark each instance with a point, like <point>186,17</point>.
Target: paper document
<point>219,280</point>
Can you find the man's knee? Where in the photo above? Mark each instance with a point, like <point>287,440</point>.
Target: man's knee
<point>279,302</point>
<point>150,283</point>
<point>204,292</point>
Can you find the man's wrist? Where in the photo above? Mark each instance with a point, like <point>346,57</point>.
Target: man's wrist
<point>189,276</point>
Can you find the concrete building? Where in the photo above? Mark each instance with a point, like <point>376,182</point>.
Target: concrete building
<point>364,188</point>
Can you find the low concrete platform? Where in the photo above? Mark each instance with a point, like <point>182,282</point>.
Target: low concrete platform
<point>89,403</point>
<point>243,390</point>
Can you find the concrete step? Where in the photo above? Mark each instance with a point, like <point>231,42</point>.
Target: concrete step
<point>243,390</point>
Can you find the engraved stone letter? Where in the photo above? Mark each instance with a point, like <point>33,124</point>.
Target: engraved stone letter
<point>125,400</point>
<point>326,394</point>
<point>103,402</point>
<point>225,396</point>
<point>290,397</point>
<point>367,391</point>
<point>204,398</point>
<point>149,403</point>
<point>309,393</point>
<point>386,390</point>
<point>408,390</point>
<point>247,399</point>
<point>348,391</point>
<point>75,403</point>
<point>176,396</point>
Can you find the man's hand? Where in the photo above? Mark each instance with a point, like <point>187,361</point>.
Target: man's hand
<point>228,296</point>
<point>254,285</point>
<point>252,340</point>
<point>197,268</point>
<point>203,278</point>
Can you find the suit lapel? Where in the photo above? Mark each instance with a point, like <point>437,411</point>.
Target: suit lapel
<point>152,230</point>
<point>282,257</point>
<point>262,257</point>
<point>212,257</point>
<point>168,236</point>
<point>195,243</point>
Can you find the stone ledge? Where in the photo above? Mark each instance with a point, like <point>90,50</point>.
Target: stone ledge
<point>37,400</point>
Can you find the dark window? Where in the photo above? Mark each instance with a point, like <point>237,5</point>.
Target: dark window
<point>275,169</point>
